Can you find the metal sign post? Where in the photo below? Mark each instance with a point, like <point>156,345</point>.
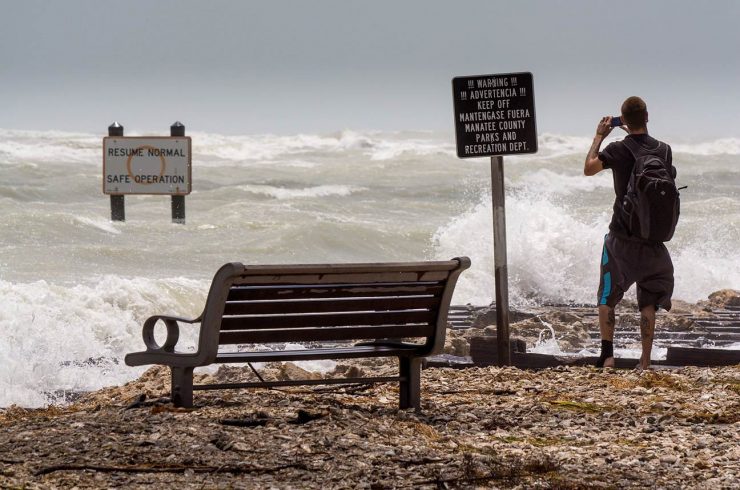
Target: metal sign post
<point>494,116</point>
<point>500,268</point>
<point>117,201</point>
<point>178,201</point>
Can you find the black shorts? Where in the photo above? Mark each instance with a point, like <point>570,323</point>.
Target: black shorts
<point>625,262</point>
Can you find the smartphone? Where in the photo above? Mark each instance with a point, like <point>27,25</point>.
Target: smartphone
<point>616,121</point>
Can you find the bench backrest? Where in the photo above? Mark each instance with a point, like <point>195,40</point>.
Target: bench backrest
<point>314,303</point>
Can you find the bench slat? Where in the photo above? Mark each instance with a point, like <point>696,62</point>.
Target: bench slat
<point>327,320</point>
<point>332,305</point>
<point>368,278</point>
<point>255,270</point>
<point>314,354</point>
<point>298,382</point>
<point>334,291</point>
<point>323,334</point>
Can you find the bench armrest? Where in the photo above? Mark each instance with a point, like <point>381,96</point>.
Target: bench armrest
<point>173,332</point>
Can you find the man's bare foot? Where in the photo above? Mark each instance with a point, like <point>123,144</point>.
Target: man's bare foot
<point>643,365</point>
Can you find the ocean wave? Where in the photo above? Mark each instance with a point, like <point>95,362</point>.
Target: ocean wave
<point>306,192</point>
<point>548,250</point>
<point>553,251</point>
<point>55,146</point>
<point>73,338</point>
<point>545,180</point>
<point>29,147</point>
<point>99,224</point>
<point>271,147</point>
<point>556,145</point>
<point>387,149</point>
<point>723,146</point>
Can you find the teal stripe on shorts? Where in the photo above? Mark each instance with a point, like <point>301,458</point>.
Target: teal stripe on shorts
<point>607,288</point>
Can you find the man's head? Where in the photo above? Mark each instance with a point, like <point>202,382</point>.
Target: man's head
<point>634,113</point>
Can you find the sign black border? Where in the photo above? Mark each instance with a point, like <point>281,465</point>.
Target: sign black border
<point>455,114</point>
<point>190,166</point>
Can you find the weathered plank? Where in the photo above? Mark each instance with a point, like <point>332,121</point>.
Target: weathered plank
<point>319,334</point>
<point>334,305</point>
<point>305,320</point>
<point>687,356</point>
<point>430,288</point>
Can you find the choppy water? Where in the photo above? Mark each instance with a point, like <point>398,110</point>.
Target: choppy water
<point>75,286</point>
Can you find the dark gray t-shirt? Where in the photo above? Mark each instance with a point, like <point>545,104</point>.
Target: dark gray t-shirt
<point>618,158</point>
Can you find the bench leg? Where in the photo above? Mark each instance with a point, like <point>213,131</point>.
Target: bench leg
<point>182,386</point>
<point>410,389</point>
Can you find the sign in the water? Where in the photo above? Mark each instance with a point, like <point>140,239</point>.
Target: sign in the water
<point>494,115</point>
<point>148,165</point>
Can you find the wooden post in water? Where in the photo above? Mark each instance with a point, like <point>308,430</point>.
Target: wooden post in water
<point>178,202</point>
<point>499,261</point>
<point>117,201</point>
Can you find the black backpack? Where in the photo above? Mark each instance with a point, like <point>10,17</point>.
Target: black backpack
<point>651,206</point>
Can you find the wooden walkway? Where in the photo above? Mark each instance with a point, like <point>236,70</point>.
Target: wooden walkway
<point>698,347</point>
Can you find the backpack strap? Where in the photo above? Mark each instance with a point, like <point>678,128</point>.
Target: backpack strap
<point>633,147</point>
<point>637,150</point>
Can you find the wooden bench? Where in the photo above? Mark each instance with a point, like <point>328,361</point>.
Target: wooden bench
<point>382,305</point>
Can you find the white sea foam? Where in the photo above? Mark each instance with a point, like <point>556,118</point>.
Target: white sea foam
<point>549,345</point>
<point>656,354</point>
<point>557,144</point>
<point>317,366</point>
<point>704,267</point>
<point>552,254</point>
<point>59,338</point>
<point>552,145</point>
<point>50,147</point>
<point>307,192</point>
<point>548,181</point>
<point>391,149</point>
<point>99,223</point>
<point>723,146</point>
<point>270,146</point>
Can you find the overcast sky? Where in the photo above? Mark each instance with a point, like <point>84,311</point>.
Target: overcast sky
<point>319,66</point>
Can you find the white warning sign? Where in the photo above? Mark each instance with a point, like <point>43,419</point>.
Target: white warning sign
<point>147,165</point>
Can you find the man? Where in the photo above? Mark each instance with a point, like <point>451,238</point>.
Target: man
<point>626,258</point>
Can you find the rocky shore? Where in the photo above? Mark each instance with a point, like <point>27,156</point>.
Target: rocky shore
<point>479,428</point>
<point>565,427</point>
<point>568,329</point>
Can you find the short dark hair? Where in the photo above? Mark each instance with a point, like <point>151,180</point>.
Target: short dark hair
<point>634,112</point>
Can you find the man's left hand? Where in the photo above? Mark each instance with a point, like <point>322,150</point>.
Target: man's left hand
<point>604,127</point>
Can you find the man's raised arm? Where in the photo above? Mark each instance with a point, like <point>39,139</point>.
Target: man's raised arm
<point>593,164</point>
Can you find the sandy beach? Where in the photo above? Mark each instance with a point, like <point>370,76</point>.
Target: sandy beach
<point>479,428</point>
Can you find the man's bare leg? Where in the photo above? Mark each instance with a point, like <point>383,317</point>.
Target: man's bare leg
<point>607,320</point>
<point>647,331</point>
